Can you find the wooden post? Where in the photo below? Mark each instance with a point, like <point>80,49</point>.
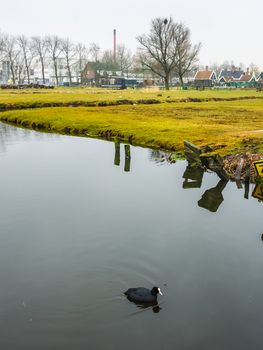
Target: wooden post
<point>127,165</point>
<point>192,153</point>
<point>117,160</point>
<point>192,147</point>
<point>195,156</point>
<point>238,173</point>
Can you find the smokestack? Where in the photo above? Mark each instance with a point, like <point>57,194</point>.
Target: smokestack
<point>114,45</point>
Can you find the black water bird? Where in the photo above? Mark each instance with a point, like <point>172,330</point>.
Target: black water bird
<point>143,295</point>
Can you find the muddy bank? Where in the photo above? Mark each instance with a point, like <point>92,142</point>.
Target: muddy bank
<point>241,165</point>
<point>236,167</point>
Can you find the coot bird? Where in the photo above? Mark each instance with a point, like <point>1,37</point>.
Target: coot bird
<point>143,295</point>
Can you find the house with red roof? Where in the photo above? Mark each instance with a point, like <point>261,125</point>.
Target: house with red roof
<point>247,80</point>
<point>237,78</point>
<point>205,78</point>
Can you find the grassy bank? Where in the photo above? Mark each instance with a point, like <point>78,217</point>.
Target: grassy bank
<point>19,99</point>
<point>227,126</point>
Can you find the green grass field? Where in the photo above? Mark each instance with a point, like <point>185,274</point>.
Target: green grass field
<point>70,95</point>
<point>227,126</point>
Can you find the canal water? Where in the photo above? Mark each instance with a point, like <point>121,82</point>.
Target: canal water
<point>79,224</point>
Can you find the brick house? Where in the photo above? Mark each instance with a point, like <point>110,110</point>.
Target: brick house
<point>205,78</point>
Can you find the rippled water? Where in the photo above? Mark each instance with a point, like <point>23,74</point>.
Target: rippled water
<point>78,226</point>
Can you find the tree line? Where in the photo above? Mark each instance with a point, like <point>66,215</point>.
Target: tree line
<point>23,54</point>
<point>166,51</point>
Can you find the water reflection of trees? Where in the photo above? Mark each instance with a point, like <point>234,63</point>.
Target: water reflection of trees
<point>6,137</point>
<point>10,135</point>
<point>160,157</point>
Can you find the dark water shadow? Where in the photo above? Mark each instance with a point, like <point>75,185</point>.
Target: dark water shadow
<point>155,307</point>
<point>213,198</point>
<point>193,177</point>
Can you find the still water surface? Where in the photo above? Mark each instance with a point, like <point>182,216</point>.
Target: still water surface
<point>76,230</point>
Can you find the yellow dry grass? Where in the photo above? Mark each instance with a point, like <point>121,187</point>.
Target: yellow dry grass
<point>227,126</point>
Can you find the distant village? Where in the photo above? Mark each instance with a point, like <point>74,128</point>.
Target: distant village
<point>93,75</point>
<point>233,77</point>
<point>202,78</point>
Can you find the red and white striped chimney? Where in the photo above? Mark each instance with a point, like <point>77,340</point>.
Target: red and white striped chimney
<point>114,45</point>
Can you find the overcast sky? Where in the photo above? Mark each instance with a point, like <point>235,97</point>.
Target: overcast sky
<point>228,29</point>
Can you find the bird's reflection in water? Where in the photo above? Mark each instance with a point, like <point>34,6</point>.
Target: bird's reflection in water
<point>156,308</point>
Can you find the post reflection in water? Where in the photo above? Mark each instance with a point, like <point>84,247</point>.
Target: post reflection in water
<point>117,159</point>
<point>127,166</point>
<point>127,156</point>
<point>213,197</point>
<point>193,174</point>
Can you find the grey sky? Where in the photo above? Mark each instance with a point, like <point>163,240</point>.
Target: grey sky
<point>228,29</point>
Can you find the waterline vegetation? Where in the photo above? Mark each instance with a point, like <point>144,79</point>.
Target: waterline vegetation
<point>230,122</point>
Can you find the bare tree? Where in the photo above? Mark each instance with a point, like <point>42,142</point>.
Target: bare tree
<point>242,66</point>
<point>27,53</point>
<point>95,51</point>
<point>186,53</point>
<point>69,53</point>
<point>158,50</point>
<point>10,53</point>
<point>95,57</point>
<point>39,49</point>
<point>107,61</point>
<point>137,66</point>
<point>20,67</point>
<point>81,58</point>
<point>54,48</point>
<point>123,59</point>
<point>1,45</point>
<point>254,69</point>
<point>166,48</point>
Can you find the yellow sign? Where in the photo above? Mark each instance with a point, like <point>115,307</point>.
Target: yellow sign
<point>258,192</point>
<point>259,167</point>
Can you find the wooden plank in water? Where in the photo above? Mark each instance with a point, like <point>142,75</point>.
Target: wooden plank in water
<point>190,146</point>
